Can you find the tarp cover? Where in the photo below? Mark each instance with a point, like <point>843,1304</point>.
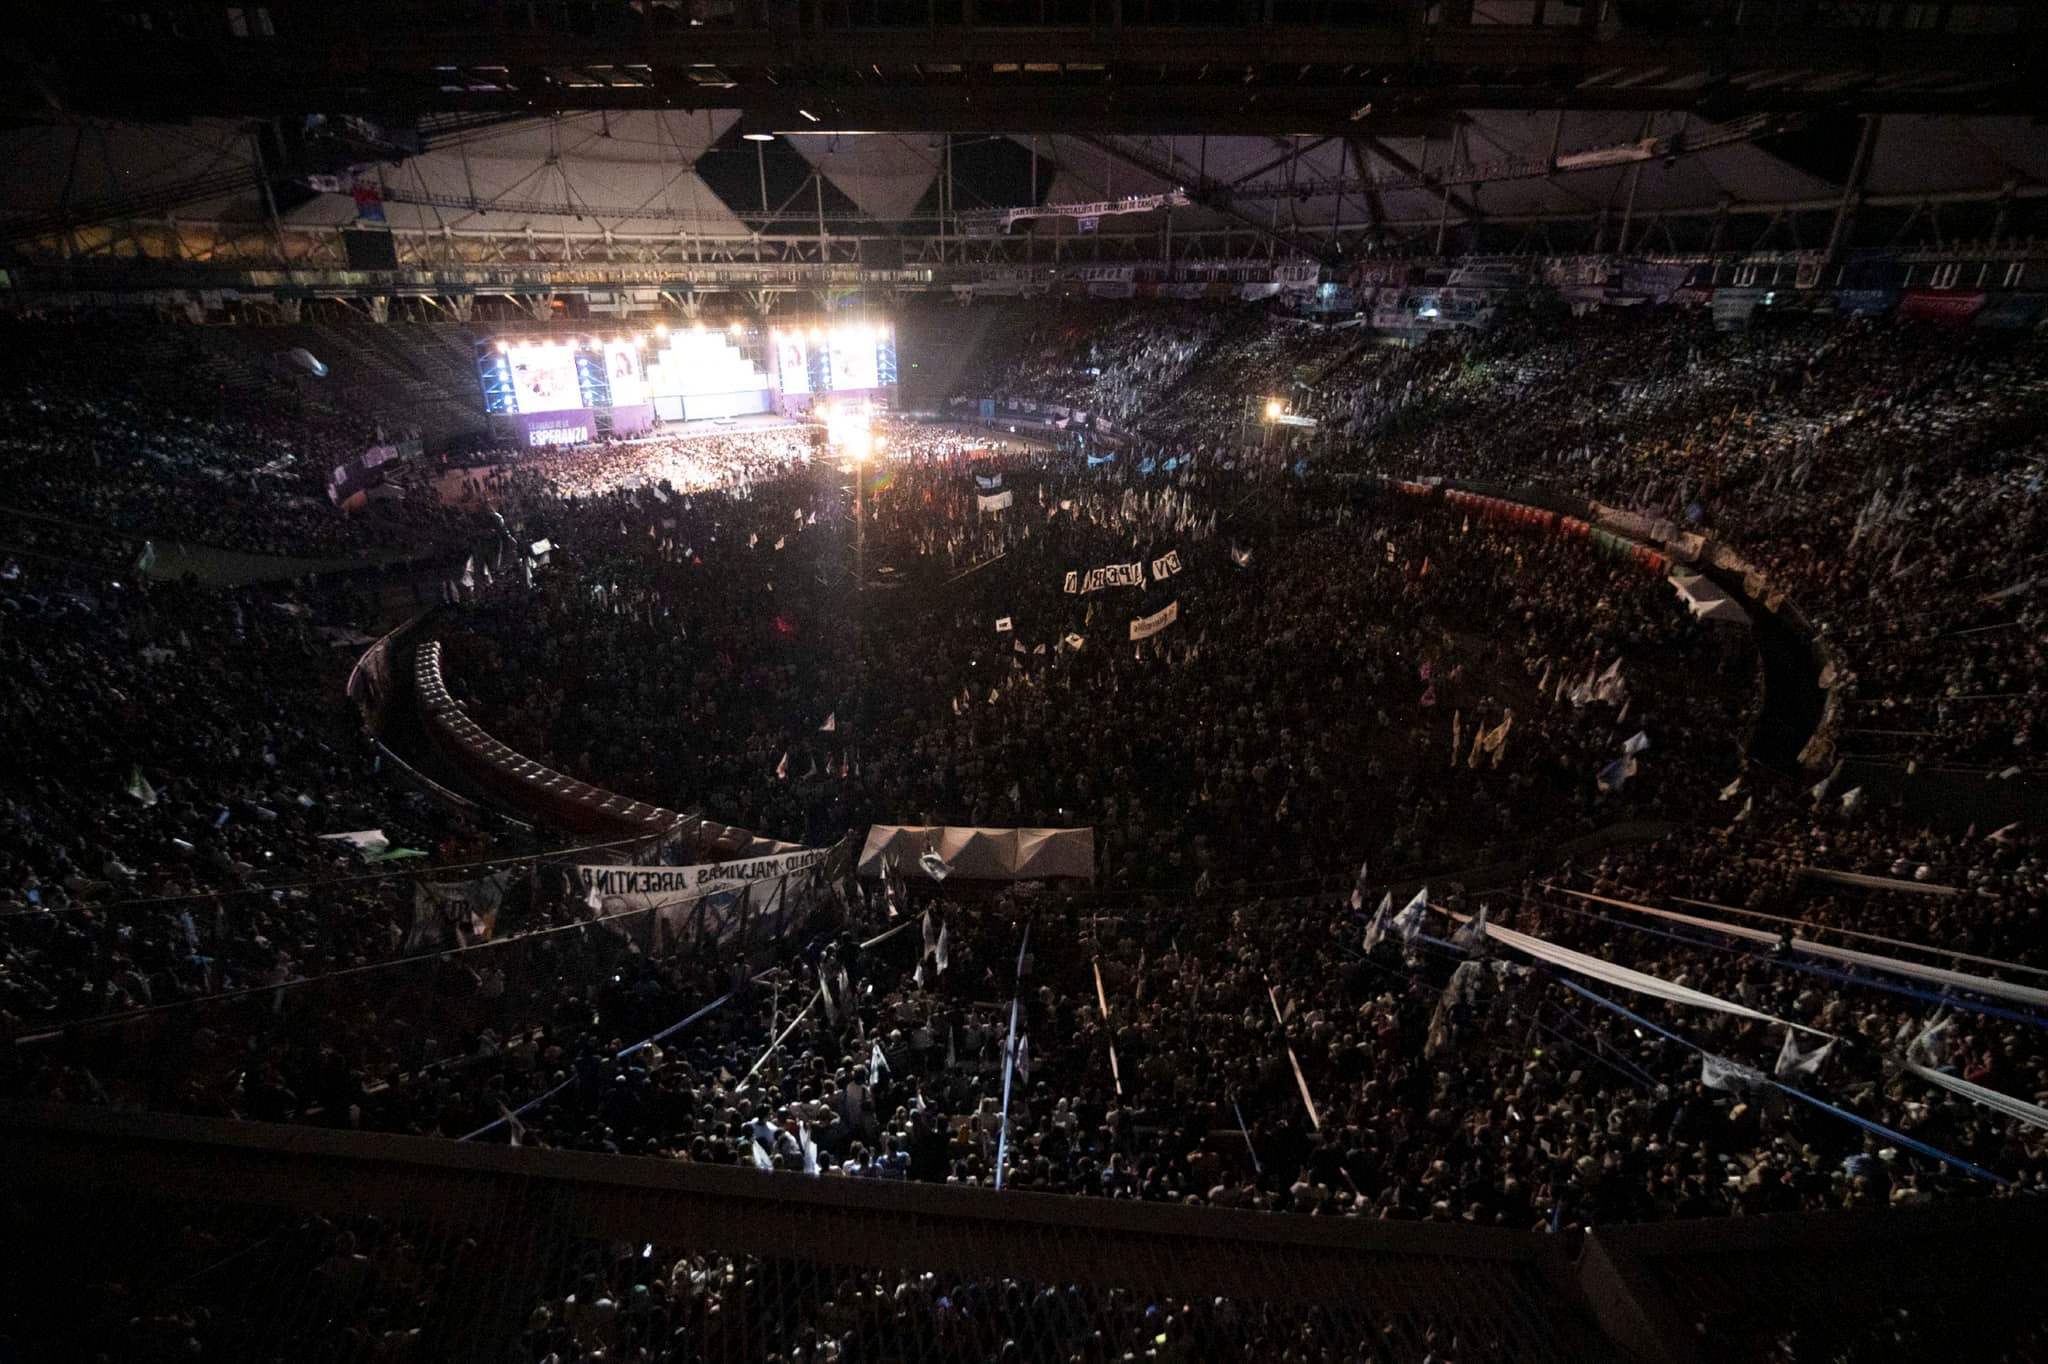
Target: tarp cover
<point>984,854</point>
<point>1705,599</point>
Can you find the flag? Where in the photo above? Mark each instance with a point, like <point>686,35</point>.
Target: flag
<point>939,952</point>
<point>1613,776</point>
<point>1930,1047</point>
<point>146,560</point>
<point>782,769</point>
<point>1409,921</point>
<point>1610,687</point>
<point>1241,557</point>
<point>1003,626</point>
<point>808,1147</point>
<point>781,540</point>
<point>877,1063</point>
<point>1851,800</point>
<point>1728,791</point>
<point>1637,743</point>
<point>761,1161</point>
<point>469,573</point>
<point>831,725</point>
<point>1376,931</point>
<point>935,866</point>
<point>1794,1062</point>
<point>931,934</point>
<point>138,786</point>
<point>1471,934</point>
<point>1017,645</point>
<point>1358,888</point>
<point>1717,1073</point>
<point>1075,642</point>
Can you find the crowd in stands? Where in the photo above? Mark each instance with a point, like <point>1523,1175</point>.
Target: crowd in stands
<point>1310,666</point>
<point>83,461</point>
<point>148,795</point>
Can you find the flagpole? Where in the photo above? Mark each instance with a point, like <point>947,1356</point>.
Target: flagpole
<point>1115,1073</point>
<point>783,1034</point>
<point>1010,1059</point>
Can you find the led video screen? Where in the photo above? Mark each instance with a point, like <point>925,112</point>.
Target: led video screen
<point>544,379</point>
<point>853,359</point>
<point>623,372</point>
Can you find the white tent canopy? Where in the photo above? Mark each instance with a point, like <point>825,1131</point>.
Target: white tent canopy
<point>984,854</point>
<point>1707,601</point>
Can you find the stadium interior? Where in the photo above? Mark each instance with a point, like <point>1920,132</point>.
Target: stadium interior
<point>1024,681</point>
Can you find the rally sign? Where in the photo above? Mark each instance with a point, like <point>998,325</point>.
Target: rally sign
<point>654,887</point>
<point>1110,575</point>
<point>1144,627</point>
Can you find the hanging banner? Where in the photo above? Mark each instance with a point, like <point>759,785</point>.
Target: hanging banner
<point>1144,627</point>
<point>995,502</point>
<point>1165,566</point>
<point>1939,305</point>
<point>1110,575</point>
<point>654,887</point>
<point>988,483</point>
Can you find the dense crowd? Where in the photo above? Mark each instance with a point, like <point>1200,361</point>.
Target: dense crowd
<point>96,460</point>
<point>1248,664</point>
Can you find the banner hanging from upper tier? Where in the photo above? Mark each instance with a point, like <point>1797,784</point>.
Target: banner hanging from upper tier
<point>654,887</point>
<point>996,502</point>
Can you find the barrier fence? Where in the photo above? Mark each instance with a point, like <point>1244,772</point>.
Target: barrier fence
<point>253,1241</point>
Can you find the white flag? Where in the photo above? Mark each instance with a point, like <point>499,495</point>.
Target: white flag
<point>831,724</point>
<point>939,954</point>
<point>761,1161</point>
<point>1717,1073</point>
<point>1793,1061</point>
<point>1409,921</point>
<point>825,991</point>
<point>1376,931</point>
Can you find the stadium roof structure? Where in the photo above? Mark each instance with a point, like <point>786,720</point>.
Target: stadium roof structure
<point>943,134</point>
<point>1156,66</point>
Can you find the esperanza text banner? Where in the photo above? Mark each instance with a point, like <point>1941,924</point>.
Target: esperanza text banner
<point>654,887</point>
<point>1109,575</point>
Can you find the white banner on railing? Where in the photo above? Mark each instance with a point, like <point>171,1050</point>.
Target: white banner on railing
<point>652,887</point>
<point>1144,627</point>
<point>997,501</point>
